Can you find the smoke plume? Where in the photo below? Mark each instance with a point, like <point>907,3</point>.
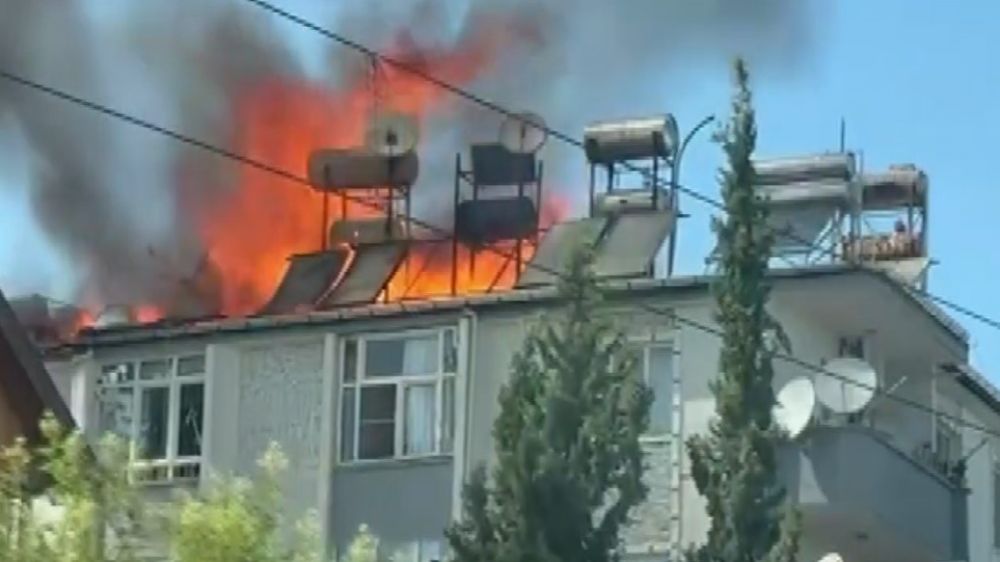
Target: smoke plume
<point>121,204</point>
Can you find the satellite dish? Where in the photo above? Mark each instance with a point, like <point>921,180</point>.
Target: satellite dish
<point>832,557</point>
<point>392,134</point>
<point>794,403</point>
<point>851,387</point>
<point>523,133</point>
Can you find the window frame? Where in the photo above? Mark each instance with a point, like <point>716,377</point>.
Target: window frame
<point>443,438</point>
<point>172,463</point>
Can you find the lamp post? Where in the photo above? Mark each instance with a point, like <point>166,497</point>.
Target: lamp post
<point>675,182</point>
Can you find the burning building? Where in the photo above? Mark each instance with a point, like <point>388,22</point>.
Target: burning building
<point>376,357</point>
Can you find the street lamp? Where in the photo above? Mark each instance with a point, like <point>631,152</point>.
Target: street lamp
<point>675,182</point>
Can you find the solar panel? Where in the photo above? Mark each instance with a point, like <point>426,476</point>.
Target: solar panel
<point>371,269</point>
<point>556,247</point>
<point>308,278</point>
<point>631,243</point>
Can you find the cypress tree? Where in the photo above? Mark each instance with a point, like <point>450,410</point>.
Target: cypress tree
<point>734,465</point>
<point>568,460</point>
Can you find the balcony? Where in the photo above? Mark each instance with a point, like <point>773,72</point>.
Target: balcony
<point>868,501</point>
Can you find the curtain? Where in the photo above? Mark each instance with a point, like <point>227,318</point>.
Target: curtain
<point>420,416</point>
<point>420,356</point>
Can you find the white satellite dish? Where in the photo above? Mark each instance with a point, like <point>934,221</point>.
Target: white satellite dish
<point>392,134</point>
<point>524,133</point>
<point>850,388</point>
<point>794,403</point>
<point>832,557</point>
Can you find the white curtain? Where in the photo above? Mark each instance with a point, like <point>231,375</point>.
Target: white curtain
<point>420,356</point>
<point>420,416</point>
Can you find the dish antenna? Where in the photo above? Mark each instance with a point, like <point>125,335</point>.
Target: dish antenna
<point>850,388</point>
<point>392,134</point>
<point>794,403</point>
<point>523,133</point>
<point>832,557</point>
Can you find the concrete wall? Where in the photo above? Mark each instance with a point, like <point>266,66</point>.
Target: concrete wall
<point>402,502</point>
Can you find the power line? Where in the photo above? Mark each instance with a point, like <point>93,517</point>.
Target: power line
<point>669,314</point>
<point>555,133</point>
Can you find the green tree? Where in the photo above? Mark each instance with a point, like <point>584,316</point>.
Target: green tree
<point>87,511</point>
<point>734,465</point>
<point>568,460</point>
<point>66,502</point>
<point>238,520</point>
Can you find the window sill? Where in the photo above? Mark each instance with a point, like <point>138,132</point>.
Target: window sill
<point>375,464</point>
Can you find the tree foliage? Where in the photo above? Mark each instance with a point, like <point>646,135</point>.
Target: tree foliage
<point>734,465</point>
<point>568,460</point>
<point>66,502</point>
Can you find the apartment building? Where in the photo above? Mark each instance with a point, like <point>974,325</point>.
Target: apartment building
<point>385,401</point>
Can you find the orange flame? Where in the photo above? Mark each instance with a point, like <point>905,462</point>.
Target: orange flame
<point>250,232</point>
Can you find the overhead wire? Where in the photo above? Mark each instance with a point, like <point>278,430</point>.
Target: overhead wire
<point>413,70</point>
<point>284,174</point>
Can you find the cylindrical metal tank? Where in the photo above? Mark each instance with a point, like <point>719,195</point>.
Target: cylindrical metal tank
<point>617,202</point>
<point>333,169</point>
<point>837,165</point>
<point>608,142</point>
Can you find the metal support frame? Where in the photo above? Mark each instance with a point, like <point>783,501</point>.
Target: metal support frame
<point>466,177</point>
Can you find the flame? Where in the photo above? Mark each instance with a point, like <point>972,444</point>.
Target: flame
<point>251,231</point>
<point>427,270</point>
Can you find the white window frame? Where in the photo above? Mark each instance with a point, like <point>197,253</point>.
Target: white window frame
<point>443,445</point>
<point>172,467</point>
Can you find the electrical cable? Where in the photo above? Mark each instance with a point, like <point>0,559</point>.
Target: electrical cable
<point>496,107</point>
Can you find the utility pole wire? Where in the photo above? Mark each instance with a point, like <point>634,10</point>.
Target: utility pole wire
<point>278,172</point>
<point>569,139</point>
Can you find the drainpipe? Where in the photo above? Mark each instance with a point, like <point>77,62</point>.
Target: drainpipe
<point>464,386</point>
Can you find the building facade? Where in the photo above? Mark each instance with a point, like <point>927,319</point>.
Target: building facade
<point>385,409</point>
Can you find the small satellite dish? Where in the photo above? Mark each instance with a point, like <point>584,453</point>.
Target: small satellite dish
<point>392,134</point>
<point>832,557</point>
<point>851,387</point>
<point>524,133</point>
<point>794,403</point>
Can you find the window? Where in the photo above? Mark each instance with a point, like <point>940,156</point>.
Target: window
<point>948,442</point>
<point>657,362</point>
<point>398,394</point>
<point>158,406</point>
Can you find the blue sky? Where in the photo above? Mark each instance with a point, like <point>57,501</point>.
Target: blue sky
<point>916,81</point>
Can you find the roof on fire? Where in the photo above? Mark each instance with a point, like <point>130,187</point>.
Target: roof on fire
<point>118,335</point>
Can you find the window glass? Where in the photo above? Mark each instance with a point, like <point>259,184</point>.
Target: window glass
<point>154,370</point>
<point>396,357</point>
<point>191,365</point>
<point>192,415</point>
<point>418,434</point>
<point>347,425</point>
<point>377,423</point>
<point>154,413</point>
<point>660,378</point>
<point>117,373</point>
<point>350,360</point>
<point>115,414</point>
